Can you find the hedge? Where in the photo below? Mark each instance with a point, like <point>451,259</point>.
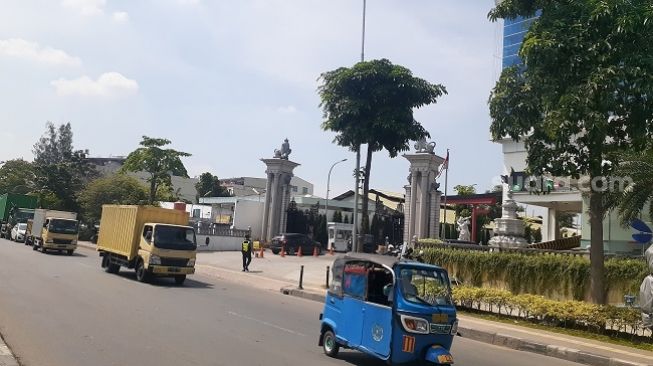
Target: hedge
<point>601,319</point>
<point>540,274</point>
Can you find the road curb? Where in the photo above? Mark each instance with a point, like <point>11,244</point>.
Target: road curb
<point>6,357</point>
<point>504,340</point>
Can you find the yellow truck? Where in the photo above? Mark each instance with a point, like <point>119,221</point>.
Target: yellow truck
<point>53,230</point>
<point>154,241</point>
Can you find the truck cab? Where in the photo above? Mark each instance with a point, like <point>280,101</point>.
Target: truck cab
<point>166,250</point>
<point>58,234</point>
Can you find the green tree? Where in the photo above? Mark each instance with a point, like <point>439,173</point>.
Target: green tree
<point>117,189</point>
<point>337,216</point>
<point>158,162</point>
<point>16,176</point>
<point>346,219</point>
<point>209,186</point>
<point>565,219</point>
<point>583,94</point>
<point>464,190</point>
<point>372,103</point>
<point>60,172</point>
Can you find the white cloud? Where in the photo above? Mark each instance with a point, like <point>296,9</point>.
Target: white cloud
<point>110,84</point>
<point>20,48</point>
<point>120,17</point>
<point>85,7</point>
<point>287,109</point>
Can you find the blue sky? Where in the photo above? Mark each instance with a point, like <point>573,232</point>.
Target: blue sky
<point>227,81</point>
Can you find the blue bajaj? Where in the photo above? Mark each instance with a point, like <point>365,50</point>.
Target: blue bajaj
<point>395,310</point>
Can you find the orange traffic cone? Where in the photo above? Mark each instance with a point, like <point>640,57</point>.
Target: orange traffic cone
<point>315,252</point>
<point>260,255</point>
<point>283,252</point>
<point>299,252</point>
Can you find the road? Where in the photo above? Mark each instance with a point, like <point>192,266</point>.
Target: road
<point>57,310</point>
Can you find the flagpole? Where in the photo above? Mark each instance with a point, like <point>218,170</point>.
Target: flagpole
<point>446,186</point>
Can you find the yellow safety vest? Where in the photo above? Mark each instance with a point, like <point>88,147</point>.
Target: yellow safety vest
<point>246,246</point>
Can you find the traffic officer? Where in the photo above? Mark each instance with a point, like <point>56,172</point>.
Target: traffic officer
<point>246,250</point>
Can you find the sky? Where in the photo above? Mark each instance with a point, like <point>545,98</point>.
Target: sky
<point>227,81</point>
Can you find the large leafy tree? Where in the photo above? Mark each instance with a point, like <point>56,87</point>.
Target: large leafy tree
<point>16,176</point>
<point>60,171</point>
<point>118,189</point>
<point>158,162</point>
<point>583,93</point>
<point>209,185</point>
<point>372,103</point>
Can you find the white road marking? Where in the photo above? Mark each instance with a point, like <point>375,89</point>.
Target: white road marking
<point>4,350</point>
<point>267,324</point>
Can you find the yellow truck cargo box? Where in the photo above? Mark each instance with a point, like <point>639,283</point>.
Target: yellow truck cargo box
<point>121,226</point>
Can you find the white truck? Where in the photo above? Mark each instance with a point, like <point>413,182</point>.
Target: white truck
<point>53,230</point>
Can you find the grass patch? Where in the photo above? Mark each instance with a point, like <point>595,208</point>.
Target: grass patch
<point>646,346</point>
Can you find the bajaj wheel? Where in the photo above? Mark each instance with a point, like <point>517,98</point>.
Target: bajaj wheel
<point>330,345</point>
<point>179,280</point>
<point>141,272</point>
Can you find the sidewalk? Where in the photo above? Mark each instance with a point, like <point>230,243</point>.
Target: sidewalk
<point>274,273</point>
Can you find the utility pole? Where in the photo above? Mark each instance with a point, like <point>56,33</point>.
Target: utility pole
<point>355,243</point>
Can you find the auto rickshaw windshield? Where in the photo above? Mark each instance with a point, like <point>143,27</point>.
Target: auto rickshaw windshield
<point>425,286</point>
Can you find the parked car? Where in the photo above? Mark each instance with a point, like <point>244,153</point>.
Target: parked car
<point>18,232</point>
<point>292,241</point>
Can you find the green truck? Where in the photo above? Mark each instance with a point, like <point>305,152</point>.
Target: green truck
<point>15,208</point>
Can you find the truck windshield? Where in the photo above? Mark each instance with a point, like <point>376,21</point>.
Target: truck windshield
<point>62,226</point>
<point>425,286</point>
<point>174,237</point>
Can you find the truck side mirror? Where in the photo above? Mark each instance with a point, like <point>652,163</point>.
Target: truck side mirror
<point>206,241</point>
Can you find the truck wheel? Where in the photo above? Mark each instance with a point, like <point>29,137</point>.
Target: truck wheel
<point>330,345</point>
<point>179,280</point>
<point>70,252</point>
<point>105,262</point>
<point>108,266</point>
<point>141,272</point>
<point>275,251</point>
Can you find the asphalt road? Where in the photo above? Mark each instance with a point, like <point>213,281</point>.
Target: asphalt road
<point>57,310</point>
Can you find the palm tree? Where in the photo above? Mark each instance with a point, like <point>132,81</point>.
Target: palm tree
<point>631,188</point>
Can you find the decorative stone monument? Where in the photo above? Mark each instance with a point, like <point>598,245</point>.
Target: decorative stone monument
<point>509,230</point>
<point>463,229</point>
<point>277,192</point>
<point>422,209</point>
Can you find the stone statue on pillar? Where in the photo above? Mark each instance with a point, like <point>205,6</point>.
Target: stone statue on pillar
<point>284,152</point>
<point>277,196</point>
<point>422,204</point>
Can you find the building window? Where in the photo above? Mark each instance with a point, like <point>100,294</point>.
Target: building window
<point>304,190</point>
<point>294,188</point>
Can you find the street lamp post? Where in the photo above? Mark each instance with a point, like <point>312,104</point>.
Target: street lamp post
<point>326,205</point>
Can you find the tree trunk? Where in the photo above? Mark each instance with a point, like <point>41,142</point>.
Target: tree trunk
<point>365,218</point>
<point>152,190</point>
<point>597,270</point>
